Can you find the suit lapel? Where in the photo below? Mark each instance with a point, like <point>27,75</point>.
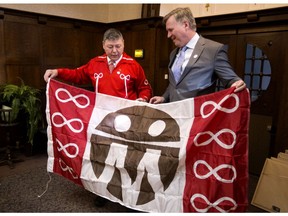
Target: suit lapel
<point>172,59</point>
<point>198,49</point>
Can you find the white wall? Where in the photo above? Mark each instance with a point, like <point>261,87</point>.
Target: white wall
<point>200,10</point>
<point>93,12</point>
<point>120,12</point>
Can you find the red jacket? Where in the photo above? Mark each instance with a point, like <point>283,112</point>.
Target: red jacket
<point>127,80</point>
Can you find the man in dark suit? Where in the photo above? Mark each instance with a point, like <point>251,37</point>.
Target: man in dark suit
<point>196,63</point>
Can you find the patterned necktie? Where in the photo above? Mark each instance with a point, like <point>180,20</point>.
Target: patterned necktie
<point>177,66</point>
<point>111,65</point>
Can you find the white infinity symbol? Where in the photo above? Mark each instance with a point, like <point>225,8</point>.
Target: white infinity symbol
<point>215,137</point>
<point>67,168</point>
<point>63,147</point>
<point>65,122</point>
<point>71,98</point>
<point>214,171</point>
<point>210,205</point>
<point>218,106</point>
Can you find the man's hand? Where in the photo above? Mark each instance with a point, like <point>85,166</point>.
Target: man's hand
<point>240,85</point>
<point>157,100</point>
<point>50,73</point>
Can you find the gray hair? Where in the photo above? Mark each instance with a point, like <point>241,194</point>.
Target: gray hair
<point>180,15</point>
<point>112,34</point>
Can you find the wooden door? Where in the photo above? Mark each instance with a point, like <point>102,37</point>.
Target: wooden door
<point>259,60</point>
<point>260,57</point>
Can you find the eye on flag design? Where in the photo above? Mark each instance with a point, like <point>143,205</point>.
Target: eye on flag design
<point>185,156</point>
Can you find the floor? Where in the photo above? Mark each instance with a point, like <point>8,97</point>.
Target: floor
<point>40,159</point>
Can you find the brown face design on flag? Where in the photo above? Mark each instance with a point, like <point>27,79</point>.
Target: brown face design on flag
<point>140,129</point>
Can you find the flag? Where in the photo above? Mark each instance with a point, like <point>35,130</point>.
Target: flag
<point>185,156</point>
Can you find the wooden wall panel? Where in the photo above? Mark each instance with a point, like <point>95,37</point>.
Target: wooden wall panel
<point>58,46</point>
<point>145,40</point>
<point>2,52</point>
<point>21,43</point>
<point>164,46</point>
<point>22,57</point>
<point>70,45</point>
<point>28,73</point>
<point>90,45</point>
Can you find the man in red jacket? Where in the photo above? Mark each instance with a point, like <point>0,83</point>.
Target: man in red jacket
<point>114,73</point>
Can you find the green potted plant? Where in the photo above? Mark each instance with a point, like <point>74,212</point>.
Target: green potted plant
<point>26,106</point>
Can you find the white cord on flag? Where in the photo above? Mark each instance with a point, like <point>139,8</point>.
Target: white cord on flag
<point>47,185</point>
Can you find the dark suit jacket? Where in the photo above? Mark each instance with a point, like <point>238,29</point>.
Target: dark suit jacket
<point>208,62</point>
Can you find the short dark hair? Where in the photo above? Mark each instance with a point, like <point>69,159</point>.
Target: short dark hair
<point>181,14</point>
<point>112,34</point>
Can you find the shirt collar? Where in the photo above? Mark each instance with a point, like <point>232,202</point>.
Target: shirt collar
<point>191,44</point>
<point>108,60</point>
